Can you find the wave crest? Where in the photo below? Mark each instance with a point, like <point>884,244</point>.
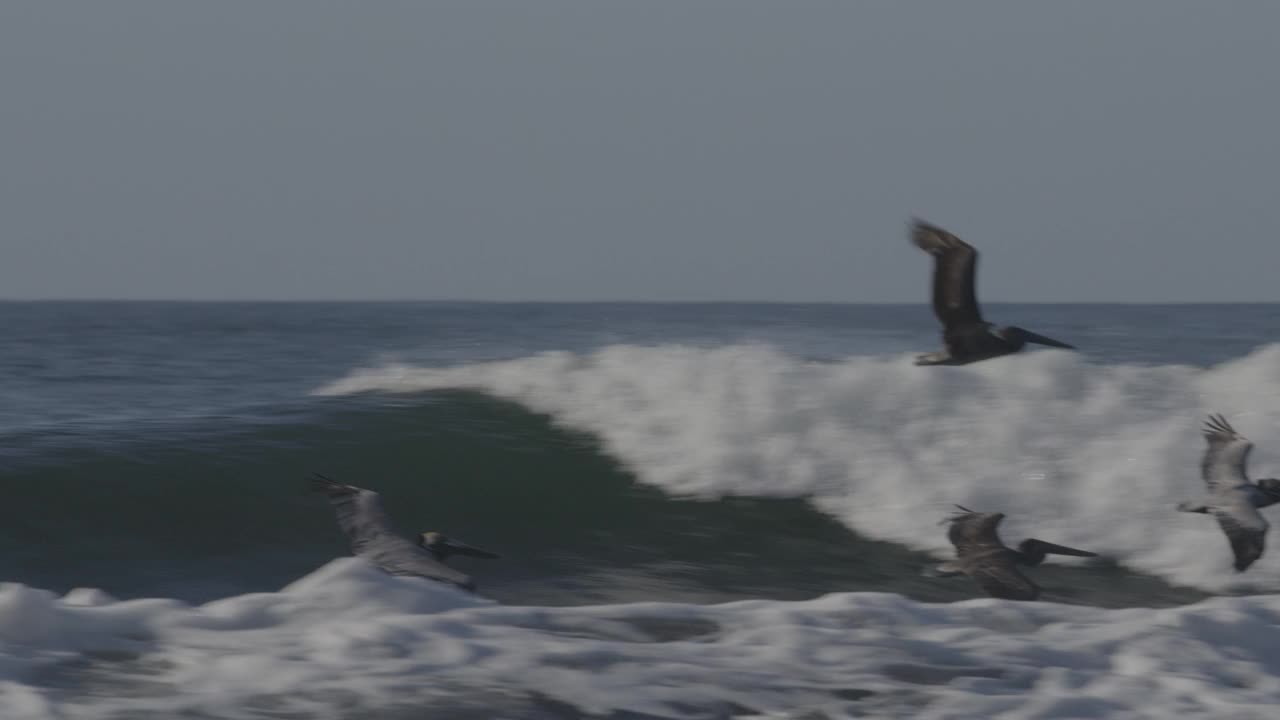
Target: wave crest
<point>1094,456</point>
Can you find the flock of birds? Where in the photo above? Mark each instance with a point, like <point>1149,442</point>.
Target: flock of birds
<point>1232,498</point>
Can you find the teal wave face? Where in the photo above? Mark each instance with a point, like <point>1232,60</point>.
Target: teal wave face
<point>211,510</point>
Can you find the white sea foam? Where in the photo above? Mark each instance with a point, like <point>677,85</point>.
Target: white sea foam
<point>349,641</point>
<point>1089,455</point>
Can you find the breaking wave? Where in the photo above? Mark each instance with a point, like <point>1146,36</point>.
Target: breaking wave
<point>1090,455</point>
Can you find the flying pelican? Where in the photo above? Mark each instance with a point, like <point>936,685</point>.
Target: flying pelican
<point>361,517</point>
<point>982,556</point>
<point>965,335</point>
<point>1233,500</point>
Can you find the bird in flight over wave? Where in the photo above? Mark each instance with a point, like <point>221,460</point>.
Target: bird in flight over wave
<point>1233,499</point>
<point>374,538</point>
<point>982,556</point>
<point>966,337</point>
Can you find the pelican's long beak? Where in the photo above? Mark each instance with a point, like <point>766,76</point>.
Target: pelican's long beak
<point>1042,340</point>
<point>461,548</point>
<point>1064,550</point>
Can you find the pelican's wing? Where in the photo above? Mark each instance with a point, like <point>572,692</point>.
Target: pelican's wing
<point>359,511</point>
<point>999,576</point>
<point>955,265</point>
<point>1223,466</point>
<point>1245,527</point>
<point>973,532</point>
<point>400,556</point>
<point>373,537</point>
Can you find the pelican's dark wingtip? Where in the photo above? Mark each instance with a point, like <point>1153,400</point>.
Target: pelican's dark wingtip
<point>1217,425</point>
<point>918,223</point>
<point>327,485</point>
<point>925,235</point>
<point>1242,562</point>
<point>937,241</point>
<point>961,512</point>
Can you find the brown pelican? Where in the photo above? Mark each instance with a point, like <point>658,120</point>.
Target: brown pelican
<point>965,335</point>
<point>361,517</point>
<point>1233,500</point>
<point>982,556</point>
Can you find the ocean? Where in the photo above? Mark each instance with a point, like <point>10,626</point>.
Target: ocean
<point>703,511</point>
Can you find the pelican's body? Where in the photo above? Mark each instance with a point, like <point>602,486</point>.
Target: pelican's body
<point>374,538</point>
<point>1233,499</point>
<point>981,555</point>
<point>966,336</point>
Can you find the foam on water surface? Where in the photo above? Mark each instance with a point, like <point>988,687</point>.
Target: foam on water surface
<point>1089,455</point>
<point>348,641</point>
<point>1094,456</point>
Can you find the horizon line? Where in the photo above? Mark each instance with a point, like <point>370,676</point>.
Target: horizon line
<point>457,301</point>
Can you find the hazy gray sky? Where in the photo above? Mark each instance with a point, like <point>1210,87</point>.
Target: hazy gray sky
<point>701,150</point>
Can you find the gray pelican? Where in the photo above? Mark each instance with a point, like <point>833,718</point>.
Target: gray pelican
<point>965,335</point>
<point>1233,500</point>
<point>361,517</point>
<point>982,556</point>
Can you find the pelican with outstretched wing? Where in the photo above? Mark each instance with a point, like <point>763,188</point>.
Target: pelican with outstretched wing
<point>981,555</point>
<point>1233,499</point>
<point>965,335</point>
<point>374,538</point>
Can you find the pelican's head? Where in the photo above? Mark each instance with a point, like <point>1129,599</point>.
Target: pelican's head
<point>1021,336</point>
<point>1270,487</point>
<point>442,546</point>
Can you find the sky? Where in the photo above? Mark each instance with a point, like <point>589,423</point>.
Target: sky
<point>698,150</point>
